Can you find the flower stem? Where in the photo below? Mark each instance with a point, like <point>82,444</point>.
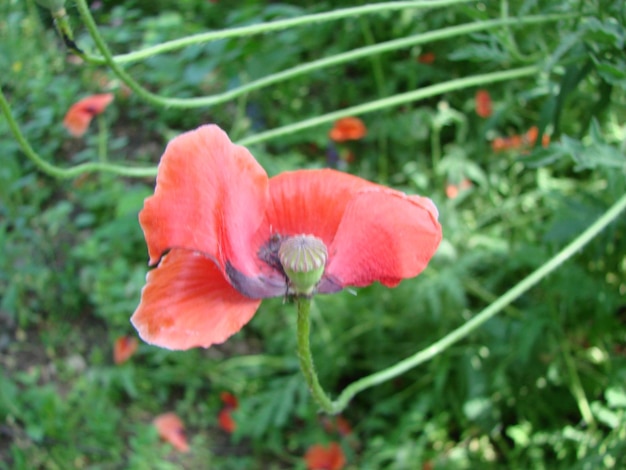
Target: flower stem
<point>395,100</point>
<point>55,171</point>
<point>486,314</point>
<point>278,25</point>
<point>205,101</point>
<point>306,359</point>
<point>103,137</point>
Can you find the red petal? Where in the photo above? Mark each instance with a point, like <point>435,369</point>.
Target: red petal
<point>226,421</point>
<point>187,302</point>
<point>348,128</point>
<point>311,202</point>
<point>171,429</point>
<point>78,117</point>
<point>343,426</point>
<point>229,400</point>
<point>319,457</point>
<point>483,103</point>
<point>124,348</point>
<point>384,236</point>
<point>210,196</point>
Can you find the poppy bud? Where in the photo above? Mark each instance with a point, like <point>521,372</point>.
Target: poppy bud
<point>303,258</point>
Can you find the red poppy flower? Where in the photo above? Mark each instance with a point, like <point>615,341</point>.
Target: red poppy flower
<point>319,457</point>
<point>483,103</point>
<point>426,58</point>
<point>337,424</point>
<point>453,190</point>
<point>216,223</point>
<point>225,418</point>
<point>80,114</point>
<point>171,429</point>
<point>124,348</point>
<point>515,142</point>
<point>229,400</point>
<point>349,128</point>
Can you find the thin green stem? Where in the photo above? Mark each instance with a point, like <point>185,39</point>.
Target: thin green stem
<point>90,24</point>
<point>243,31</point>
<point>379,79</point>
<point>306,359</point>
<point>506,299</point>
<point>435,145</point>
<point>297,70</point>
<point>103,137</point>
<point>395,100</point>
<point>55,171</point>
<point>576,385</point>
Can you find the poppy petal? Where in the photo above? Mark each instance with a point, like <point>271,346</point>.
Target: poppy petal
<point>348,128</point>
<point>187,303</point>
<point>124,348</point>
<point>319,457</point>
<point>311,202</point>
<point>226,421</point>
<point>483,103</point>
<point>171,429</point>
<point>80,114</point>
<point>229,400</point>
<point>210,196</point>
<point>384,236</point>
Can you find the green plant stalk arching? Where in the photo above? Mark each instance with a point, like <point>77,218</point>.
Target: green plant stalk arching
<point>301,69</point>
<point>344,398</point>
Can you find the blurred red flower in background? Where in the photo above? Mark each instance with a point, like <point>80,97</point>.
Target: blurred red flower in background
<point>453,190</point>
<point>348,128</point>
<point>216,222</point>
<point>319,457</point>
<point>171,429</point>
<point>225,419</point>
<point>426,58</point>
<point>482,101</point>
<point>517,142</point>
<point>124,348</point>
<point>80,114</point>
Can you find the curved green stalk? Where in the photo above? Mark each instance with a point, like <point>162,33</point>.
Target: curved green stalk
<point>74,171</point>
<point>506,299</point>
<point>394,100</point>
<point>306,359</point>
<point>305,20</point>
<point>294,71</point>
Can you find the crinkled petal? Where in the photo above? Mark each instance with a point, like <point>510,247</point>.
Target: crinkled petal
<point>210,196</point>
<point>320,457</point>
<point>123,349</point>
<point>311,202</point>
<point>80,114</point>
<point>171,429</point>
<point>187,302</point>
<point>384,236</point>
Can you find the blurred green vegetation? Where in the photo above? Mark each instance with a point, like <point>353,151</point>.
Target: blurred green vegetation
<point>541,386</point>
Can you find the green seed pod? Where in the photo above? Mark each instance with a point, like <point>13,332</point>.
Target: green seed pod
<point>303,258</point>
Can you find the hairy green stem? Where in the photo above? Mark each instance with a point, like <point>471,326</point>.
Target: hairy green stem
<point>576,385</point>
<point>55,171</point>
<point>395,100</point>
<point>497,306</point>
<point>103,138</point>
<point>379,79</point>
<point>306,359</point>
<point>305,20</point>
